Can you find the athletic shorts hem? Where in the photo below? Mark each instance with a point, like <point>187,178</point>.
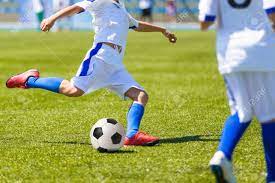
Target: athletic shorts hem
<point>73,82</point>
<point>252,94</point>
<point>266,119</point>
<point>128,88</point>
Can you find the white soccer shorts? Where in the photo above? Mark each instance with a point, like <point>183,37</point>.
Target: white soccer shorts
<point>252,94</point>
<point>103,68</point>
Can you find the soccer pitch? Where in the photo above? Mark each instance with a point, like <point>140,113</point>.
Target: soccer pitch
<point>44,137</point>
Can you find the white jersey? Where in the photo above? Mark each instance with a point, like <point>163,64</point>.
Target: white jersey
<point>37,6</point>
<point>245,40</point>
<point>111,21</point>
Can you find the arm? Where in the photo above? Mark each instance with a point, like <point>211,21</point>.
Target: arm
<point>207,13</point>
<point>204,26</point>
<point>272,17</point>
<point>147,27</point>
<point>269,6</point>
<point>48,23</point>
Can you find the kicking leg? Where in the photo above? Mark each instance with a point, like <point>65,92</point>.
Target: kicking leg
<point>134,117</point>
<point>31,79</point>
<point>268,130</point>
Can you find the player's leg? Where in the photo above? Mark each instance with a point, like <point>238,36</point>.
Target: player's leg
<point>86,79</point>
<point>124,85</point>
<point>234,128</point>
<point>136,111</point>
<point>31,79</point>
<point>264,110</point>
<point>221,164</point>
<point>143,16</point>
<point>233,131</point>
<point>40,16</point>
<point>39,10</point>
<point>56,85</point>
<point>150,15</point>
<point>135,114</point>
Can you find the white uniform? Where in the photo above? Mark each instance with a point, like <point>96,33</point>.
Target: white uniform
<point>64,23</point>
<point>245,52</point>
<point>102,66</point>
<point>37,6</point>
<point>60,4</point>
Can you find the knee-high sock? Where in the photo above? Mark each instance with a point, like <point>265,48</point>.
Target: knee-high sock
<point>134,117</point>
<point>268,131</point>
<point>232,133</point>
<point>50,84</point>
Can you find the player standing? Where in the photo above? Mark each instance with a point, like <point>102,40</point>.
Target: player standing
<point>102,66</point>
<point>63,24</point>
<point>38,9</point>
<point>245,51</point>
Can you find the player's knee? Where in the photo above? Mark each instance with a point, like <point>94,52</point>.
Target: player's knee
<point>74,92</point>
<point>143,97</point>
<point>138,95</point>
<point>70,90</point>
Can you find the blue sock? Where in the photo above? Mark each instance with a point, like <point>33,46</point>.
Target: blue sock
<point>232,133</point>
<point>50,84</point>
<point>268,131</point>
<point>134,117</point>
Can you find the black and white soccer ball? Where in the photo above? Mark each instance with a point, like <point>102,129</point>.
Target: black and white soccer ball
<point>107,135</point>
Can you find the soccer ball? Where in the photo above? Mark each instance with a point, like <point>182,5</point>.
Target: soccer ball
<point>107,135</point>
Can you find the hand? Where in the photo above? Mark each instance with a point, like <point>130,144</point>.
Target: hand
<point>172,37</point>
<point>47,24</point>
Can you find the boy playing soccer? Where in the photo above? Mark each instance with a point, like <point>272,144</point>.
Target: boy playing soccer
<point>245,51</point>
<point>102,66</point>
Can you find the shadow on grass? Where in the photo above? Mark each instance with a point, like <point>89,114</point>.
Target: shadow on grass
<point>87,144</point>
<point>193,138</point>
<point>68,143</point>
<point>119,152</point>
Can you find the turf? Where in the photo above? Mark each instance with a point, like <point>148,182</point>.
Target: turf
<point>44,137</point>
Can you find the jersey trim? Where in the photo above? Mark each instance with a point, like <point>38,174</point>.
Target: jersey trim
<point>270,10</point>
<point>210,18</point>
<point>84,5</point>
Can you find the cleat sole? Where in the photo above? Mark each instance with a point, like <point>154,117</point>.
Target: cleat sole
<point>217,171</point>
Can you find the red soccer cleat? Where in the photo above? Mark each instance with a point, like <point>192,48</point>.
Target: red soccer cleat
<point>141,139</point>
<point>20,80</point>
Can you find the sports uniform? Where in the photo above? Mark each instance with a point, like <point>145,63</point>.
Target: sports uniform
<point>103,66</point>
<point>37,6</point>
<point>65,22</point>
<point>60,4</point>
<point>245,53</point>
<point>38,9</point>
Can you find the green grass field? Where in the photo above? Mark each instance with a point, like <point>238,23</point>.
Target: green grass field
<point>44,137</point>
